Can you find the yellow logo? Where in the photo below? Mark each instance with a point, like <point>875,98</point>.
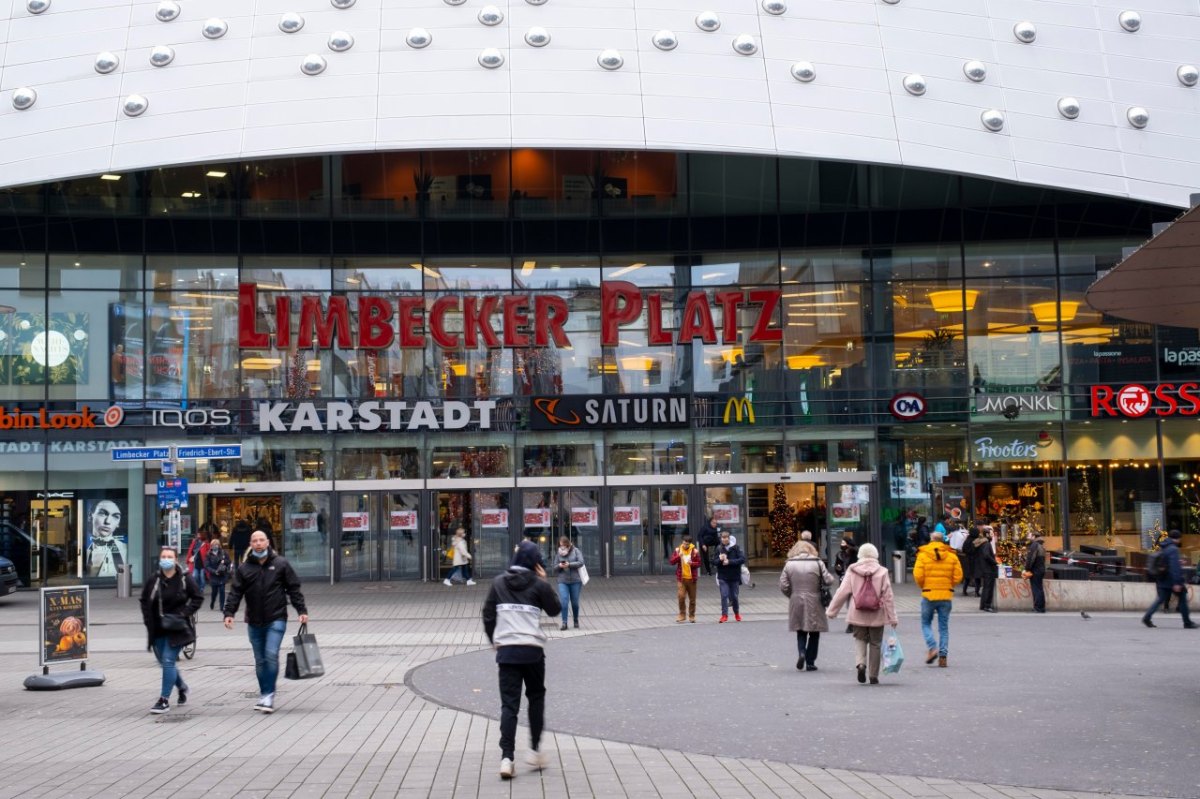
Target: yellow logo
<point>739,406</point>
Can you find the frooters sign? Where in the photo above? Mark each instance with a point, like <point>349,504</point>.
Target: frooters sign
<point>988,448</point>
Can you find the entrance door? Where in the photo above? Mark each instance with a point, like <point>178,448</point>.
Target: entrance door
<point>358,548</point>
<point>402,536</point>
<point>485,515</point>
<point>549,514</point>
<point>647,525</point>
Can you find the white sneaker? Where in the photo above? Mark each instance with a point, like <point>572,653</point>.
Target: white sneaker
<point>506,769</point>
<point>266,704</point>
<point>470,582</point>
<point>447,582</point>
<point>539,760</point>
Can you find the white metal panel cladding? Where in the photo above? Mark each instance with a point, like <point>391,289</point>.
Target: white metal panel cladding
<point>247,94</point>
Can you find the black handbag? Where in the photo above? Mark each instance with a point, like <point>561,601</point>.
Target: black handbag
<point>170,622</point>
<point>826,594</point>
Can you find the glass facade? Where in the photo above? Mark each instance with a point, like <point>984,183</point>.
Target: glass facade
<point>784,303</point>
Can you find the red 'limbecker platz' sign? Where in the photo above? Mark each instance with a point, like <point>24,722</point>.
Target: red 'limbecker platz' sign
<point>529,320</point>
<point>1136,400</point>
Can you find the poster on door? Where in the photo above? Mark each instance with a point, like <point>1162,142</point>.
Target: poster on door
<point>300,523</point>
<point>585,517</point>
<point>356,521</point>
<point>403,519</point>
<point>537,517</point>
<point>674,515</point>
<point>727,514</point>
<point>493,517</point>
<point>627,515</point>
<point>844,513</point>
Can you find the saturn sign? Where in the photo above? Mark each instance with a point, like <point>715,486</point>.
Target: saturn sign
<point>907,407</point>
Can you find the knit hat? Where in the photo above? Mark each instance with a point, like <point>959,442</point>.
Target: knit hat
<point>526,555</point>
<point>868,552</point>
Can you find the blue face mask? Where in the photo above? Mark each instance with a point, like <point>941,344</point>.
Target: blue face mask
<point>258,554</point>
<point>166,565</point>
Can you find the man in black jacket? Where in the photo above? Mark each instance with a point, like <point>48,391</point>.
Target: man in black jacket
<point>1035,572</point>
<point>986,569</point>
<point>267,582</point>
<point>709,539</point>
<point>1171,582</point>
<point>511,616</point>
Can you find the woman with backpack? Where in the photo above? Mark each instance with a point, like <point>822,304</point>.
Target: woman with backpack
<point>216,568</point>
<point>868,589</point>
<point>170,598</point>
<point>802,581</point>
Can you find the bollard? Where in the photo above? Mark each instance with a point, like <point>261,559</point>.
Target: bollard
<point>898,567</point>
<point>124,581</point>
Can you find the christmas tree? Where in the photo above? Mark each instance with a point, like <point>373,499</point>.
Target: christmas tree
<point>783,523</point>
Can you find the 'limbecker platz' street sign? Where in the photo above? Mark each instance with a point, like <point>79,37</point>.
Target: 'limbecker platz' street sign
<point>209,452</point>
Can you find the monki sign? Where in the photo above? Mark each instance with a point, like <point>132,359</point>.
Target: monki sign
<point>528,320</point>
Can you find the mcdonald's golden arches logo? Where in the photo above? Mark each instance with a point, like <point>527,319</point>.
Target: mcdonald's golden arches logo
<point>739,407</point>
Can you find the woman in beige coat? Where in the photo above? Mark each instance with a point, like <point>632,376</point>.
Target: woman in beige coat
<point>801,581</point>
<point>867,623</point>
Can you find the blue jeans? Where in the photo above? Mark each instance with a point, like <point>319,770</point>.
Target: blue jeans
<point>1165,592</point>
<point>265,640</point>
<point>569,592</point>
<point>942,608</point>
<point>198,576</point>
<point>218,590</point>
<point>167,656</point>
<point>729,596</point>
<point>463,571</point>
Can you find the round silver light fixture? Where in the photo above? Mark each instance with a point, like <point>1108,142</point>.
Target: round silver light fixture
<point>774,7</point>
<point>708,21</point>
<point>915,84</point>
<point>418,38</point>
<point>24,98</point>
<point>215,28</point>
<point>342,3</point>
<point>167,10</point>
<point>1138,117</point>
<point>106,62</point>
<point>536,2</point>
<point>454,2</point>
<point>491,58</point>
<point>891,2</point>
<point>1188,75</point>
<point>1130,21</point>
<point>537,37</point>
<point>161,55</point>
<point>975,71</point>
<point>665,40</point>
<point>340,41</point>
<point>804,71</point>
<point>1025,31</point>
<point>1068,107</point>
<point>37,6</point>
<point>993,120</point>
<point>135,105</point>
<point>744,44</point>
<point>610,59</point>
<point>313,64</point>
<point>490,16</point>
<point>291,22</point>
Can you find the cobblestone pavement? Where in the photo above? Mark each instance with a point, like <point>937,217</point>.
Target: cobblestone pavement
<point>360,731</point>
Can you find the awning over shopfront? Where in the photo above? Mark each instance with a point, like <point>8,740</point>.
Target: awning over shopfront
<point>1160,282</point>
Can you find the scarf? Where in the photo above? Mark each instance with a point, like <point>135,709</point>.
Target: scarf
<point>685,560</point>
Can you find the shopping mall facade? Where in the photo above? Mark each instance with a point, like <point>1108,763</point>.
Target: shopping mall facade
<point>825,259</point>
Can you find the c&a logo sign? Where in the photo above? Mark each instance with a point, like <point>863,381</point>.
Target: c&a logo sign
<point>907,407</point>
<point>739,407</point>
<point>1136,400</point>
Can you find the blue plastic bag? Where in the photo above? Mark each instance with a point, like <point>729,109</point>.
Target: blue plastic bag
<point>893,654</point>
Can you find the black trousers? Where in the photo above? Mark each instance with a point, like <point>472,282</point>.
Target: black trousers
<point>1039,593</point>
<point>512,675</point>
<point>987,596</point>
<point>808,644</point>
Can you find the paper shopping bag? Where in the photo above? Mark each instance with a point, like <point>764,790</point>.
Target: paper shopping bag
<point>307,654</point>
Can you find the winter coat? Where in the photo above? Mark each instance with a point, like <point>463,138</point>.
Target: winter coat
<point>266,585</point>
<point>855,575</point>
<point>461,556</point>
<point>512,613</point>
<point>693,562</point>
<point>708,536</point>
<point>801,581</point>
<point>574,563</point>
<point>968,558</point>
<point>845,556</point>
<point>1035,560</point>
<point>937,571</point>
<point>985,559</point>
<point>1169,550</point>
<point>196,548</point>
<point>179,595</point>
<point>212,566</point>
<point>730,572</point>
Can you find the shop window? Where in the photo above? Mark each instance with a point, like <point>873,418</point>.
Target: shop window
<point>556,183</point>
<point>287,458</point>
<point>905,188</point>
<point>634,183</point>
<point>382,185</point>
<point>465,183</point>
<point>465,274</point>
<point>195,190</point>
<point>805,456</point>
<point>22,200</point>
<point>24,369</point>
<point>391,462</point>
<point>569,272</point>
<point>651,269</point>
<point>22,270</point>
<point>731,185</point>
<point>285,187</point>
<point>924,262</point>
<point>627,456</point>
<point>750,453</point>
<point>197,274</point>
<point>919,336</point>
<point>1099,348</point>
<point>286,273</point>
<point>459,461</point>
<point>110,194</point>
<point>559,460</point>
<point>1012,342</point>
<point>399,273</point>
<point>93,271</point>
<point>71,348</point>
<point>735,269</point>
<point>824,266</point>
<point>996,259</point>
<point>577,368</point>
<point>823,345</point>
<point>814,186</point>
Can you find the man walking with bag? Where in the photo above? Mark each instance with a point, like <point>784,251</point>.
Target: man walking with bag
<point>267,582</point>
<point>1169,579</point>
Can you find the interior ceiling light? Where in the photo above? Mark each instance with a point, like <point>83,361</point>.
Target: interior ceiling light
<point>953,300</point>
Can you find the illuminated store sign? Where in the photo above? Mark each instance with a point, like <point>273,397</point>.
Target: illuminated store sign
<point>42,419</point>
<point>296,417</point>
<point>528,320</point>
<point>603,413</point>
<point>1013,405</point>
<point>1136,400</point>
<point>988,448</point>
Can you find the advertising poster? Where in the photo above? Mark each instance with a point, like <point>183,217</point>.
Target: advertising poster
<point>54,353</point>
<point>300,523</point>
<point>537,517</point>
<point>166,373</point>
<point>126,350</point>
<point>627,515</point>
<point>727,514</point>
<point>358,521</point>
<point>64,624</point>
<point>674,514</point>
<point>585,517</point>
<point>844,513</point>
<point>403,519</point>
<point>493,517</point>
<point>105,542</point>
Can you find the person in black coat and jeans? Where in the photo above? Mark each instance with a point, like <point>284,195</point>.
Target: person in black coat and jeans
<point>170,599</point>
<point>709,540</point>
<point>1035,572</point>
<point>729,560</point>
<point>267,582</point>
<point>1171,582</point>
<point>986,569</point>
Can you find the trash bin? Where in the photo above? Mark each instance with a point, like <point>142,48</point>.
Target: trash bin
<point>898,567</point>
<point>124,581</point>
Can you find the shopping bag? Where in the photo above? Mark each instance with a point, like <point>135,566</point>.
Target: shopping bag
<point>291,671</point>
<point>893,654</point>
<point>583,575</point>
<point>307,654</point>
<point>746,575</point>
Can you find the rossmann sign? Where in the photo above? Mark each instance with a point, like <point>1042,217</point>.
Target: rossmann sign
<point>1135,400</point>
<point>526,320</point>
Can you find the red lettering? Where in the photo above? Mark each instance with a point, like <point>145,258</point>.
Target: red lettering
<point>1163,394</point>
<point>412,313</point>
<point>337,319</point>
<point>479,320</point>
<point>283,322</point>
<point>516,317</point>
<point>762,326</point>
<point>249,336</point>
<point>620,304</point>
<point>550,314</point>
<point>1190,399</point>
<point>437,322</point>
<point>1102,401</point>
<point>697,320</point>
<point>730,300</point>
<point>374,323</point>
<point>654,311</point>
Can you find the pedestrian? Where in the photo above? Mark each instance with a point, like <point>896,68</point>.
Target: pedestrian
<point>461,559</point>
<point>239,539</point>
<point>710,539</point>
<point>729,560</point>
<point>170,599</point>
<point>847,555</point>
<point>868,589</point>
<point>1170,581</point>
<point>957,537</point>
<point>196,555</point>
<point>216,568</point>
<point>801,581</point>
<point>267,582</point>
<point>569,561</point>
<point>970,573</point>
<point>1035,572</point>
<point>686,560</point>
<point>985,568</point>
<point>936,572</point>
<point>511,611</point>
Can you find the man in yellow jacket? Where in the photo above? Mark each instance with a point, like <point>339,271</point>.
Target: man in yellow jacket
<point>937,571</point>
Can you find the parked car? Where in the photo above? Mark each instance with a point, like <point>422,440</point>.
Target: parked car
<point>8,577</point>
<point>16,546</point>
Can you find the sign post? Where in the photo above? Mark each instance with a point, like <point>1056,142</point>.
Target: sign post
<point>63,637</point>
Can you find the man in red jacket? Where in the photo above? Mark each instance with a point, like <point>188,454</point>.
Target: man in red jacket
<point>686,560</point>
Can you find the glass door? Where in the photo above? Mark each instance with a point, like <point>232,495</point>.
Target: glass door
<point>669,521</point>
<point>305,535</point>
<point>541,520</point>
<point>484,515</point>
<point>358,546</point>
<point>726,506</point>
<point>630,529</point>
<point>848,512</point>
<point>581,514</point>
<point>402,541</point>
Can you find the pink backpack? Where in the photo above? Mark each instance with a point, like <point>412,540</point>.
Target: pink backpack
<point>867,597</point>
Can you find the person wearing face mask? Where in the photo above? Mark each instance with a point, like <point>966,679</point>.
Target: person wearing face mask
<point>568,562</point>
<point>267,582</point>
<point>729,560</point>
<point>847,556</point>
<point>170,599</point>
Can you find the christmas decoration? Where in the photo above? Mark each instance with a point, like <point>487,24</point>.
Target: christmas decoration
<point>783,523</point>
<point>1019,525</point>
